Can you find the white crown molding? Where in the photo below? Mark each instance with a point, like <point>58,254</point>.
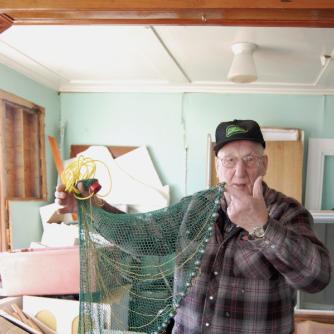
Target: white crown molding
<point>27,66</point>
<point>28,72</point>
<point>193,88</point>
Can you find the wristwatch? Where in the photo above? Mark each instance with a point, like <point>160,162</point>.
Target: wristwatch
<point>258,232</point>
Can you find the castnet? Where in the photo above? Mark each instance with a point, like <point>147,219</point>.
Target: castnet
<point>136,268</point>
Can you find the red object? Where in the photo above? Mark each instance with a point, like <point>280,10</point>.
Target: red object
<point>94,187</point>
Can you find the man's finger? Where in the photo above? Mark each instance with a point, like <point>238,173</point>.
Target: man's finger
<point>60,195</point>
<point>257,188</point>
<point>60,187</point>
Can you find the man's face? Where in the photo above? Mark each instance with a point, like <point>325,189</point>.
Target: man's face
<point>240,163</point>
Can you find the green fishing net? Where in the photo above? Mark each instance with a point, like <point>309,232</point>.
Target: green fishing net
<point>136,268</point>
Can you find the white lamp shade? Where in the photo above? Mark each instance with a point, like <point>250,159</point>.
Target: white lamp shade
<point>243,68</point>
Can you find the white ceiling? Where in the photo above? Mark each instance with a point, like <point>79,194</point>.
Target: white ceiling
<point>168,58</point>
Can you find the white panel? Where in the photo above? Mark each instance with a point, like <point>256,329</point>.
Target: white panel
<point>318,149</point>
<point>131,181</point>
<point>274,134</point>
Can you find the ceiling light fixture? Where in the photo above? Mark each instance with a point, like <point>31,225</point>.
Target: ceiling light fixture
<point>243,68</point>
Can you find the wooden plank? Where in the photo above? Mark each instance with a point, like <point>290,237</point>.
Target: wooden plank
<point>298,13</point>
<point>36,174</point>
<point>285,167</point>
<point>39,5</point>
<point>19,153</point>
<point>3,185</point>
<point>115,151</point>
<point>315,315</point>
<point>42,158</point>
<point>213,176</point>
<point>7,327</point>
<point>31,155</point>
<point>8,150</point>
<point>16,172</point>
<point>5,23</point>
<point>17,100</point>
<point>223,17</point>
<point>56,154</point>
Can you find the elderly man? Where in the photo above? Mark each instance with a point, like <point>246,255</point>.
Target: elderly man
<point>261,251</point>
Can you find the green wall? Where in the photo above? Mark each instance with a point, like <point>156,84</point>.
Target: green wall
<point>167,123</point>
<point>24,215</point>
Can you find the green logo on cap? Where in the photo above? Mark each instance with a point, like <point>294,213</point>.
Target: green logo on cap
<point>233,129</point>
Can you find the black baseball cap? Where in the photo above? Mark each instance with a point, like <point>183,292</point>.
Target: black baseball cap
<point>238,129</point>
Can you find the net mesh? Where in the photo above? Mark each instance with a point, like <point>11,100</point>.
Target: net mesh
<point>136,268</point>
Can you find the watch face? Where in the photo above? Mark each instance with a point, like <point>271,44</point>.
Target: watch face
<point>258,232</point>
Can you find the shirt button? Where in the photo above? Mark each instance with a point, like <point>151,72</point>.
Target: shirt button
<point>211,297</point>
<point>215,273</point>
<point>227,314</point>
<point>272,246</point>
<point>207,324</point>
<point>243,290</point>
<point>266,242</point>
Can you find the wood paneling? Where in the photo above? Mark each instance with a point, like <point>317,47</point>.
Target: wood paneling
<point>4,228</point>
<point>306,13</point>
<point>285,167</point>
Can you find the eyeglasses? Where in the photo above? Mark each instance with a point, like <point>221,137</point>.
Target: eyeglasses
<point>250,161</point>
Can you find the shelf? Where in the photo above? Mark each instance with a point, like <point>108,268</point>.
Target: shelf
<point>323,216</point>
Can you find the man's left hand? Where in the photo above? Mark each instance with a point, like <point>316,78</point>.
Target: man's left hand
<point>247,211</point>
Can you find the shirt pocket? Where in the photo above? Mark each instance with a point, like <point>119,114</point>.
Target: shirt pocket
<point>250,263</point>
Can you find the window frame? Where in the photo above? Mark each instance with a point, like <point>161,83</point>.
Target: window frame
<point>23,155</point>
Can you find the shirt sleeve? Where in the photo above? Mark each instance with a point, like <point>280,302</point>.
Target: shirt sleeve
<point>293,249</point>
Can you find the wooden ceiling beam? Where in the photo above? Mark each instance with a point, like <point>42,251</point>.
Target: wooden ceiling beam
<point>5,23</point>
<point>299,13</point>
<point>230,17</point>
<point>161,4</point>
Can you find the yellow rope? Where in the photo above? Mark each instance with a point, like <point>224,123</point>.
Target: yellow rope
<point>82,168</point>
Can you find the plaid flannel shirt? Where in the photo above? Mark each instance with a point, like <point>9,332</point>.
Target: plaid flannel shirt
<point>249,286</point>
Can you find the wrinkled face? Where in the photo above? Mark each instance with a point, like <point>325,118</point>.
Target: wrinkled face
<point>240,163</point>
